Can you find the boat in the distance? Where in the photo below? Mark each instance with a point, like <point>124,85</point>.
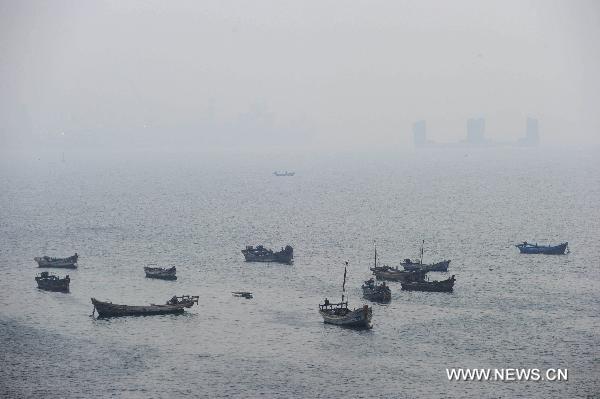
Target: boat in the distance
<point>339,313</point>
<point>175,305</point>
<point>50,282</point>
<point>243,294</point>
<point>286,173</point>
<point>48,261</point>
<point>376,292</point>
<point>430,286</point>
<point>262,254</point>
<point>161,273</point>
<point>528,248</point>
<point>418,264</point>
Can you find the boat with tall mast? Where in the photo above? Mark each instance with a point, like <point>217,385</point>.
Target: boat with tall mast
<point>339,313</point>
<point>419,265</point>
<point>373,291</point>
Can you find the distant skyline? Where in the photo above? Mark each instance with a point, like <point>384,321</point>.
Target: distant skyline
<point>149,74</point>
<point>475,135</point>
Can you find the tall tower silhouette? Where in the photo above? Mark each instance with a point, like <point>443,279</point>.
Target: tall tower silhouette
<point>475,131</point>
<point>420,133</point>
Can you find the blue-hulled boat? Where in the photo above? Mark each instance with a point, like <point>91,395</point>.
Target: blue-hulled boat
<point>528,248</point>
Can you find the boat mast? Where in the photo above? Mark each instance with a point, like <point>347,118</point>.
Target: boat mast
<point>375,261</point>
<point>422,245</point>
<point>344,283</point>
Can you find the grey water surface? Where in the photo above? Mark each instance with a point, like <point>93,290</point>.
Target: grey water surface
<point>198,212</point>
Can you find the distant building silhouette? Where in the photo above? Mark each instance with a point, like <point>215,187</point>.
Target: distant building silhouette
<point>420,133</point>
<point>532,136</point>
<point>475,131</point>
<point>476,136</point>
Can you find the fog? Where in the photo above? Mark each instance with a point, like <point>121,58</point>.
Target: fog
<point>294,74</point>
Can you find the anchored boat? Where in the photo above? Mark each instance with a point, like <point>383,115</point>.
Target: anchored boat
<point>527,248</point>
<point>376,292</point>
<point>391,274</point>
<point>433,267</point>
<point>50,282</point>
<point>373,291</point>
<point>419,265</point>
<point>431,286</point>
<point>243,294</point>
<point>67,263</point>
<point>161,273</point>
<point>339,313</point>
<point>262,254</point>
<point>286,173</point>
<point>175,305</point>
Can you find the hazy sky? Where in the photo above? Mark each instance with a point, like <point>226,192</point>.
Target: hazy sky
<point>303,73</point>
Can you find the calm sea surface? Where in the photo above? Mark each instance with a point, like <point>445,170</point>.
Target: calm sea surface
<point>198,212</point>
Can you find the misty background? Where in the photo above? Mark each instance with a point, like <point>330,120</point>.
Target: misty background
<point>287,74</point>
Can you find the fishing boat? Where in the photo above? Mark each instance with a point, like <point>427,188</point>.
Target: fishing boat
<point>419,265</point>
<point>50,282</point>
<point>161,273</point>
<point>66,263</point>
<point>376,292</point>
<point>243,294</point>
<point>431,286</point>
<point>527,248</point>
<point>175,305</point>
<point>286,173</point>
<point>373,291</point>
<point>262,254</point>
<point>339,313</point>
<point>391,274</point>
<point>433,267</point>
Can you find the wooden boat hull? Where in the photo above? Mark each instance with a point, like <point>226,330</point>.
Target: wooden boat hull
<point>286,256</point>
<point>107,309</point>
<point>430,286</point>
<point>162,276</point>
<point>268,258</point>
<point>377,294</point>
<point>358,318</point>
<point>161,273</point>
<point>398,275</point>
<point>559,249</point>
<point>67,263</point>
<point>61,285</point>
<point>434,267</point>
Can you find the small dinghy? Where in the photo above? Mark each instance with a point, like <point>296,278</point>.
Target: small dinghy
<point>339,313</point>
<point>161,273</point>
<point>430,286</point>
<point>286,173</point>
<point>175,305</point>
<point>527,248</point>
<point>66,263</point>
<point>243,294</point>
<point>49,282</point>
